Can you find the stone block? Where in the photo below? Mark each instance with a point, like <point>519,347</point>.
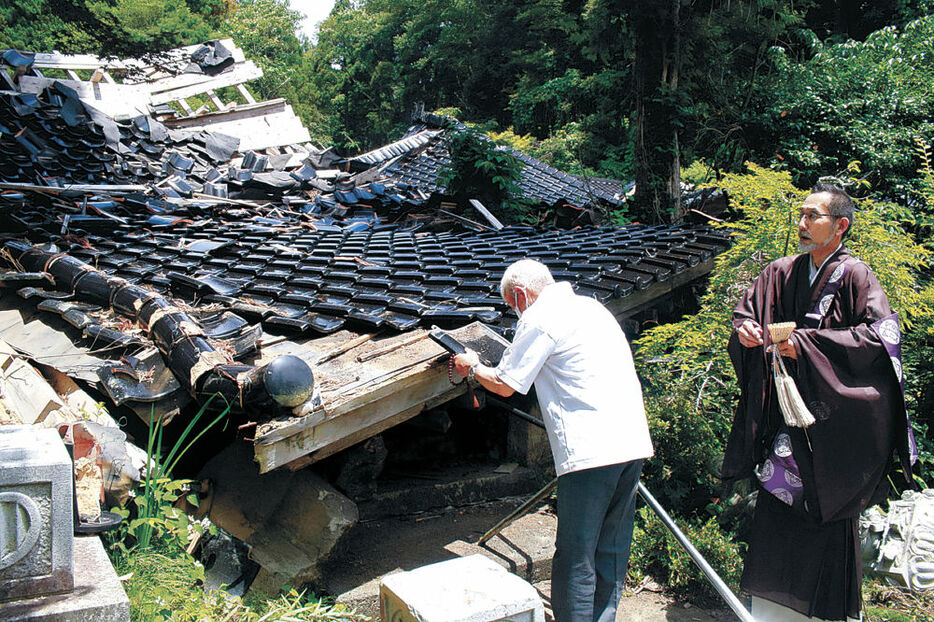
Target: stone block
<point>36,513</point>
<point>97,596</point>
<point>291,520</point>
<point>465,589</point>
<point>527,443</point>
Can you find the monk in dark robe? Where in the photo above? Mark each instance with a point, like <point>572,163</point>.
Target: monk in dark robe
<point>804,559</point>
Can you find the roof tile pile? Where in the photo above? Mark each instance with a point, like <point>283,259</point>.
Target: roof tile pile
<point>423,153</point>
<point>136,235</point>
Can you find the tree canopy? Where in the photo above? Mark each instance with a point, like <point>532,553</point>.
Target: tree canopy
<point>600,87</point>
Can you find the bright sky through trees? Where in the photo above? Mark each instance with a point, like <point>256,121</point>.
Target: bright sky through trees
<point>314,11</point>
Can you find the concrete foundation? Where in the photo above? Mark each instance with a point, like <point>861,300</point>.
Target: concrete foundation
<point>527,443</point>
<point>97,596</point>
<point>465,589</point>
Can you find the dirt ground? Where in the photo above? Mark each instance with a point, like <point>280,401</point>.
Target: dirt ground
<point>525,547</point>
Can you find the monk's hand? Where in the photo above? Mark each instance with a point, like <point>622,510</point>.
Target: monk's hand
<point>463,362</point>
<point>750,334</point>
<point>787,348</point>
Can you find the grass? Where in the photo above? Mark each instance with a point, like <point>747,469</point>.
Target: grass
<point>883,602</point>
<point>165,583</point>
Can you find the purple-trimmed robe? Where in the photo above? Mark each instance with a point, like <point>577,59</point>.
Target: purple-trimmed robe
<point>811,562</point>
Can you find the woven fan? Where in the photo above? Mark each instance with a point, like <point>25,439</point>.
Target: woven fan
<point>781,331</point>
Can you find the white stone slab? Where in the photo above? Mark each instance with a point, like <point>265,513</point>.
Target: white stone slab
<point>464,589</point>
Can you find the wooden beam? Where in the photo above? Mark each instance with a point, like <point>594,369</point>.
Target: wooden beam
<point>361,418</point>
<point>216,100</point>
<point>353,439</point>
<point>54,60</point>
<point>367,398</point>
<point>188,84</point>
<point>258,126</point>
<point>246,94</point>
<point>185,107</point>
<point>26,392</point>
<point>486,214</point>
<point>7,80</point>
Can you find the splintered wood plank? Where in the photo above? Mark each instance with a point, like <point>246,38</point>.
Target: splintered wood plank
<point>258,126</point>
<point>188,84</point>
<point>246,94</point>
<point>27,393</point>
<point>477,205</point>
<point>216,100</point>
<point>363,399</point>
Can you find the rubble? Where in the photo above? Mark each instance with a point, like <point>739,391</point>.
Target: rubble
<point>205,258</point>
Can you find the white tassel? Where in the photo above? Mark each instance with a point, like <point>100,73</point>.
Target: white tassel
<point>790,402</point>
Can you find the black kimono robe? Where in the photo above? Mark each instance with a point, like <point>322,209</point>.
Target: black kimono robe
<point>810,561</point>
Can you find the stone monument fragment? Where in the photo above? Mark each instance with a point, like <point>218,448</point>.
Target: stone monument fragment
<point>36,513</point>
<point>900,545</point>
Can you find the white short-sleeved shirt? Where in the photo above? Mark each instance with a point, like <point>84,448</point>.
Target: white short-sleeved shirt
<point>574,351</point>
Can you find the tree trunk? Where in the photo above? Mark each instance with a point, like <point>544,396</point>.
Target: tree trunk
<point>656,26</point>
<point>674,189</point>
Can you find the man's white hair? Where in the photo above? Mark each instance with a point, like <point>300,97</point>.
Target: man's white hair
<point>530,274</point>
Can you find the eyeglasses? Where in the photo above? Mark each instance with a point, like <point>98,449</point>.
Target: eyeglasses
<point>812,216</point>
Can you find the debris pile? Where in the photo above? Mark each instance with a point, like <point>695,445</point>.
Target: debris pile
<point>178,254</point>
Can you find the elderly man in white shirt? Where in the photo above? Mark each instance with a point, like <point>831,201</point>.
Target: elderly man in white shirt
<point>575,353</point>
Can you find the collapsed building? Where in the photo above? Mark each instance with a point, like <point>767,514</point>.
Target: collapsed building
<point>177,258</point>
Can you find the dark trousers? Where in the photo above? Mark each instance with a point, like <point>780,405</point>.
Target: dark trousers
<point>595,517</point>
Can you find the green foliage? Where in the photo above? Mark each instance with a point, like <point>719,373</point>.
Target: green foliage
<point>154,513</point>
<point>166,584</point>
<point>698,173</point>
<point>918,359</point>
<point>106,27</point>
<point>482,170</point>
<point>864,101</point>
<point>656,553</point>
<point>151,25</point>
<point>162,581</point>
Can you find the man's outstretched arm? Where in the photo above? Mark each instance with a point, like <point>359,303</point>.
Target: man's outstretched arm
<point>483,374</point>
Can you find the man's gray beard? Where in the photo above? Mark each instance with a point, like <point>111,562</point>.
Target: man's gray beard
<point>807,247</point>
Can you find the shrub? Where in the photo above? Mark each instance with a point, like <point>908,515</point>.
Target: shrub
<point>656,552</point>
<point>856,100</point>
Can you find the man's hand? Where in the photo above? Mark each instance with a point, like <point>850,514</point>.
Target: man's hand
<point>787,348</point>
<point>463,362</point>
<point>750,334</point>
<point>486,376</point>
